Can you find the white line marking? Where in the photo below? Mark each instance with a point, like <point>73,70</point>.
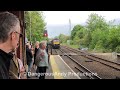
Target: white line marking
<point>69,68</point>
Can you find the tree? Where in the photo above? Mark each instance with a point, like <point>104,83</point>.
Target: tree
<point>87,39</point>
<point>97,35</point>
<point>114,38</point>
<point>63,38</point>
<point>35,25</point>
<point>77,30</point>
<point>95,21</point>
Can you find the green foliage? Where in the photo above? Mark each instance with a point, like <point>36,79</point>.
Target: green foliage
<point>77,31</point>
<point>63,38</point>
<point>34,23</point>
<point>114,38</point>
<point>95,21</point>
<point>87,39</point>
<point>99,45</point>
<point>97,35</point>
<point>118,49</point>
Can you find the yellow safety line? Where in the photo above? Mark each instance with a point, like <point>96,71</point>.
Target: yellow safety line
<point>55,69</point>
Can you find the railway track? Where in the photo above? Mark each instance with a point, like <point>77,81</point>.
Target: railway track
<point>82,69</point>
<point>108,63</point>
<point>104,68</point>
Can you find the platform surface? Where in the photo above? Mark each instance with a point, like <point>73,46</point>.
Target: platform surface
<point>58,69</point>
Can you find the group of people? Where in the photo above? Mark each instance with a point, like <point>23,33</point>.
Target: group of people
<point>11,67</point>
<point>38,58</point>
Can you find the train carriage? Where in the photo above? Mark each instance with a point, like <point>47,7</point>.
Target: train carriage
<point>55,43</point>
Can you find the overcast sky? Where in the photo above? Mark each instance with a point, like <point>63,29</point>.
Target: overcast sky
<point>58,21</point>
<point>76,17</point>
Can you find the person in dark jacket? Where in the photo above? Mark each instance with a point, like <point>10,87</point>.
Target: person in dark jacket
<point>47,52</point>
<point>35,52</point>
<point>28,57</point>
<point>4,64</point>
<point>9,39</point>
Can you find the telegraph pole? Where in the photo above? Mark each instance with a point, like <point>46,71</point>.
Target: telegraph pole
<point>30,27</point>
<point>68,41</point>
<point>70,27</point>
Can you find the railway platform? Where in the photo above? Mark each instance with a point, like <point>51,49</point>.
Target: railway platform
<point>58,69</point>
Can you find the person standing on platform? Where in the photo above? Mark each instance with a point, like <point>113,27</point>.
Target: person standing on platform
<point>29,57</point>
<point>42,60</point>
<point>35,52</point>
<point>9,39</point>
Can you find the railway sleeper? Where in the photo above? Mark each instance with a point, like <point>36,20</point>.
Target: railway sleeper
<point>88,60</point>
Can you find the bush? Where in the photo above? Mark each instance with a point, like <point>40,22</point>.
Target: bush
<point>118,49</point>
<point>71,42</point>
